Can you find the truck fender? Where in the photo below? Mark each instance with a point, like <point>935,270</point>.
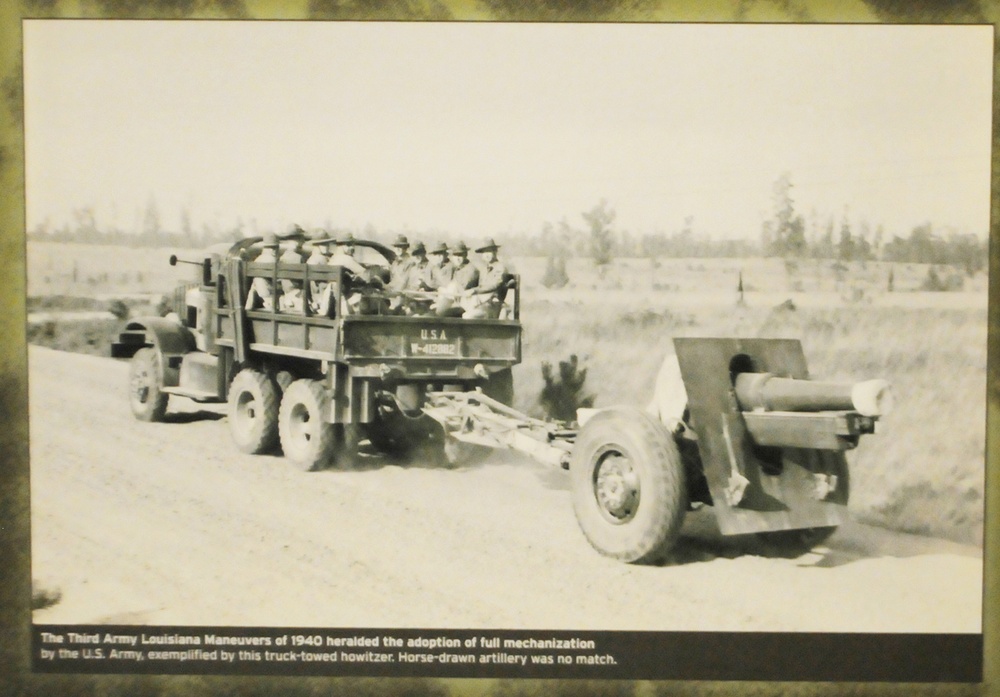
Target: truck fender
<point>170,338</point>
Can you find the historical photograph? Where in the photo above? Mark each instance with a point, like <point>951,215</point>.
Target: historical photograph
<point>627,327</point>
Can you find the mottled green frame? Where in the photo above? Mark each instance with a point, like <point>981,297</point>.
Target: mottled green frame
<point>15,588</point>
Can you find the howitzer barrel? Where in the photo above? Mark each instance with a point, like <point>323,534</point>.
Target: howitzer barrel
<point>755,391</point>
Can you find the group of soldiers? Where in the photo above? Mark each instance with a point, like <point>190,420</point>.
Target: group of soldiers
<point>441,281</point>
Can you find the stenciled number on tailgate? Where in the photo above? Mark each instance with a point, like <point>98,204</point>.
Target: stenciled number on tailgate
<point>434,342</point>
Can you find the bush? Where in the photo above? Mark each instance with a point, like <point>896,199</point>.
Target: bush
<point>555,273</point>
<point>935,283</point>
<point>563,394</point>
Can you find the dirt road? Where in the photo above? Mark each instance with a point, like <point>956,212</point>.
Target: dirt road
<point>169,524</point>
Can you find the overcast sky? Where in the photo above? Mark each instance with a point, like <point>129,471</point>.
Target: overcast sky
<point>485,129</point>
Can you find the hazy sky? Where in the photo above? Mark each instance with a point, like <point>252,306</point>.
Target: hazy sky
<point>484,129</point>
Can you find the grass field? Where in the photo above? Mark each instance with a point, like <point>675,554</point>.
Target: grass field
<point>924,471</point>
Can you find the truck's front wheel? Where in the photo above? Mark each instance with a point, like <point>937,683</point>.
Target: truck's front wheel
<point>145,386</point>
<point>307,438</point>
<point>628,485</point>
<point>253,411</point>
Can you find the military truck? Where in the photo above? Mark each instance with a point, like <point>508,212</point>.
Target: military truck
<point>310,383</point>
<point>753,436</point>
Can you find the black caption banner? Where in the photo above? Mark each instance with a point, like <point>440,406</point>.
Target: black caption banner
<point>508,653</point>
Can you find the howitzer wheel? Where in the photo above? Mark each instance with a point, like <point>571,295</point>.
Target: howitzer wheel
<point>307,438</point>
<point>628,485</point>
<point>145,386</point>
<point>253,411</point>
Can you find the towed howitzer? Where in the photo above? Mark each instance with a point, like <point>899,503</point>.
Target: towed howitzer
<point>742,429</point>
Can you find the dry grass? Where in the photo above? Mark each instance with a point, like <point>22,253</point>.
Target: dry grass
<point>923,473</point>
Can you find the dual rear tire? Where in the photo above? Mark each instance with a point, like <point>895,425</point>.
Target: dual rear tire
<point>262,415</point>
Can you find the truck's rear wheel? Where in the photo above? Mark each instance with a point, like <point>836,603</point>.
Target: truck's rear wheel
<point>307,438</point>
<point>628,485</point>
<point>145,386</point>
<point>253,411</point>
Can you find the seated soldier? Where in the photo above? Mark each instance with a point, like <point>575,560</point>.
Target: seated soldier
<point>413,281</point>
<point>464,276</point>
<point>401,264</point>
<point>318,257</point>
<point>486,299</point>
<point>291,297</point>
<point>352,300</point>
<point>292,255</point>
<point>438,272</point>
<point>261,294</point>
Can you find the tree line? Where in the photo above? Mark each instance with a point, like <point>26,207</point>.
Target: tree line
<point>595,236</point>
<point>784,235</point>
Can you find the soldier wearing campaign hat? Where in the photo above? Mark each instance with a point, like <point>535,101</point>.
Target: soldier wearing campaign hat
<point>320,243</point>
<point>418,266</point>
<point>464,274</point>
<point>293,253</point>
<point>412,279</point>
<point>399,268</point>
<point>486,299</point>
<point>261,293</point>
<point>438,272</point>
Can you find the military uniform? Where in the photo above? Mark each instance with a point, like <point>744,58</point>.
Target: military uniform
<point>316,288</point>
<point>437,275</point>
<point>415,274</point>
<point>464,274</point>
<point>493,278</point>
<point>261,293</point>
<point>400,266</point>
<point>486,299</point>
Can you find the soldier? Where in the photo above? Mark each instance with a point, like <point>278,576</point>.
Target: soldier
<point>486,299</point>
<point>320,248</point>
<point>414,281</point>
<point>261,292</point>
<point>293,254</point>
<point>464,274</point>
<point>318,257</point>
<point>401,264</point>
<point>291,299</point>
<point>344,256</point>
<point>291,296</point>
<point>418,266</point>
<point>437,274</point>
<point>351,298</point>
